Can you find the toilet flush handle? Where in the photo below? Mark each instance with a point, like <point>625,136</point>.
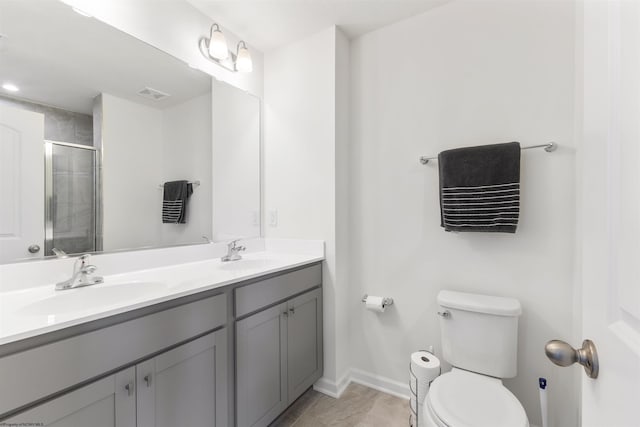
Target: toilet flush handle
<point>444,314</point>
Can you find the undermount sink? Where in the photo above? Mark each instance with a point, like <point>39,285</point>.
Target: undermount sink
<point>246,264</point>
<point>87,298</point>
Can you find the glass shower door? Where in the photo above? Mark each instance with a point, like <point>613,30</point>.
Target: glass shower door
<point>70,198</point>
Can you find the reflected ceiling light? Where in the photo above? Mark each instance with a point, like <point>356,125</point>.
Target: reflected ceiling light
<point>243,59</point>
<point>10,87</point>
<point>215,49</point>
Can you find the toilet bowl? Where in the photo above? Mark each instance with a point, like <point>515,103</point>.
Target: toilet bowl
<point>480,340</point>
<point>465,399</point>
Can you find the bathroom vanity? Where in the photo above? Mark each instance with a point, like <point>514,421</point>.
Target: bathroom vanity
<point>173,336</point>
<point>233,344</point>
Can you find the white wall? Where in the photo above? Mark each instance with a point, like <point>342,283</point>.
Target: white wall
<point>131,171</point>
<point>300,144</point>
<point>466,73</point>
<point>341,301</point>
<point>175,27</point>
<point>235,163</point>
<point>143,147</point>
<point>186,151</point>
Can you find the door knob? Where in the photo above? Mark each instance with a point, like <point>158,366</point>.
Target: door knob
<point>562,354</point>
<point>34,249</point>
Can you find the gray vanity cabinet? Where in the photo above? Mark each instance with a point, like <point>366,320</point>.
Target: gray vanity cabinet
<point>261,366</point>
<point>186,386</point>
<point>108,402</point>
<point>171,371</point>
<point>278,356</point>
<point>304,343</point>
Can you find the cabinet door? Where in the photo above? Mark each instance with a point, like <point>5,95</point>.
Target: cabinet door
<point>304,342</point>
<point>109,402</point>
<point>186,386</point>
<point>261,367</point>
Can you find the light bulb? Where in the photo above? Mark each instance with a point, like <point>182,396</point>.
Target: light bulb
<point>218,44</point>
<point>243,59</point>
<point>10,87</point>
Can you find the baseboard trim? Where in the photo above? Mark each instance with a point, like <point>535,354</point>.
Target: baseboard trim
<point>377,382</point>
<point>380,383</point>
<point>331,388</point>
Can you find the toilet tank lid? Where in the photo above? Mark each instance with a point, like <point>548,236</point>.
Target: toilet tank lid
<point>499,306</point>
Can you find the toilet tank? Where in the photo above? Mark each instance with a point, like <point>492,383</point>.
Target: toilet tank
<point>480,332</point>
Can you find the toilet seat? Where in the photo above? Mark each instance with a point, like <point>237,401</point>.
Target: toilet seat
<point>466,399</point>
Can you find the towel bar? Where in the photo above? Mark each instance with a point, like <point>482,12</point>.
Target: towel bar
<point>549,147</point>
<point>194,183</point>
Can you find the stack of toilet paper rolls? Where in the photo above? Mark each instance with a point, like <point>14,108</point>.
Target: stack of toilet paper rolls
<point>423,369</point>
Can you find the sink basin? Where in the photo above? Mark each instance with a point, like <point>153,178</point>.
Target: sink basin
<point>246,264</point>
<point>91,297</point>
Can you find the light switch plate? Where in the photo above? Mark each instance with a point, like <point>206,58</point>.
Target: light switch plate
<point>273,218</point>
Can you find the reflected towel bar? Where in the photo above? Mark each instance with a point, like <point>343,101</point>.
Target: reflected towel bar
<point>194,183</point>
<point>549,147</point>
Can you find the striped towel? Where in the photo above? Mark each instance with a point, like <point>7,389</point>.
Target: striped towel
<point>174,204</point>
<point>480,188</point>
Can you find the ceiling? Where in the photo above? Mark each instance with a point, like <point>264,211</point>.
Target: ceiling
<point>60,58</point>
<point>268,24</point>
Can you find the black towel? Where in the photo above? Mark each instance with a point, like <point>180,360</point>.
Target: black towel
<point>480,188</point>
<point>174,203</point>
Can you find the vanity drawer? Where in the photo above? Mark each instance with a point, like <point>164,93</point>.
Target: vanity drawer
<point>253,297</point>
<point>42,371</point>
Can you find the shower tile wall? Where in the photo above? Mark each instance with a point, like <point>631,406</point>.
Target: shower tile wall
<point>59,125</point>
<point>73,199</point>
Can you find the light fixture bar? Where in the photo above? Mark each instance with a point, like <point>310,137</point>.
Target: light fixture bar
<point>228,63</point>
<point>215,46</point>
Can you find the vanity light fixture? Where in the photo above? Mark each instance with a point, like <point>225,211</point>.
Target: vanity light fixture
<point>243,58</point>
<point>10,87</point>
<point>215,49</point>
<point>217,44</point>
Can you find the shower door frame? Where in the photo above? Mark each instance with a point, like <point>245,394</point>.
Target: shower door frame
<point>48,193</point>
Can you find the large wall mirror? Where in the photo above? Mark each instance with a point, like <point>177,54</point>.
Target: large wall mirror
<point>93,125</point>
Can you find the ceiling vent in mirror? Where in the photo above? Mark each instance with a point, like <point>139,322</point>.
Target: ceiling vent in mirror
<point>154,94</point>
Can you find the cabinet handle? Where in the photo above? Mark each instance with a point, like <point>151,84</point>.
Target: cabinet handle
<point>147,379</point>
<point>292,310</point>
<point>285,314</point>
<point>129,388</point>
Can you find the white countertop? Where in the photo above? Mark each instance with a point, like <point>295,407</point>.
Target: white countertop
<point>25,313</point>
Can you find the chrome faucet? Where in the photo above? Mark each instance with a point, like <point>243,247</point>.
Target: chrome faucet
<point>82,275</point>
<point>233,251</point>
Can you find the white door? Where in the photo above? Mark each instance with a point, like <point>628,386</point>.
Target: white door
<point>610,211</point>
<point>21,184</point>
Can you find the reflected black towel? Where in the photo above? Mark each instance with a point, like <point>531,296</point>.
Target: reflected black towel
<point>480,188</point>
<point>174,203</point>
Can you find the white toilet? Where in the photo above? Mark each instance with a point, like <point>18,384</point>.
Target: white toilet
<point>480,340</point>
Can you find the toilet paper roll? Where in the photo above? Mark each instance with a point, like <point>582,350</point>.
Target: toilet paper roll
<point>425,367</point>
<point>374,303</point>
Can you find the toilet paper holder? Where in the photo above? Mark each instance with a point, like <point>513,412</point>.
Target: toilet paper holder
<point>385,301</point>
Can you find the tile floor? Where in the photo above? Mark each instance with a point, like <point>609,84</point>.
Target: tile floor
<point>359,406</point>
